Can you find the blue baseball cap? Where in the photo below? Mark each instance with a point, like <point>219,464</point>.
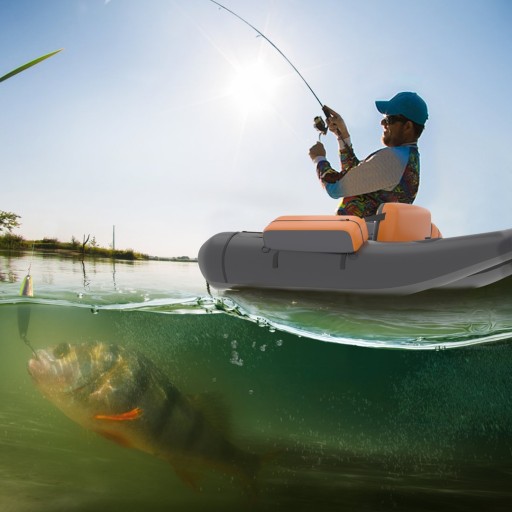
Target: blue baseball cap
<point>407,104</point>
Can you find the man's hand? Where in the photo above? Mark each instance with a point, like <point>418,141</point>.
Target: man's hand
<point>317,150</point>
<point>336,124</point>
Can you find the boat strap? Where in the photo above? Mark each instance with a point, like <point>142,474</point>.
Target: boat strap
<point>275,260</point>
<point>373,229</point>
<point>374,218</point>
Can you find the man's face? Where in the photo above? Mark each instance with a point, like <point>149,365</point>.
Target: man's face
<point>396,130</point>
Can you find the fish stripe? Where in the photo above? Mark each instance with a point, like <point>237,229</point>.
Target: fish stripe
<point>142,378</point>
<point>172,396</point>
<point>196,432</point>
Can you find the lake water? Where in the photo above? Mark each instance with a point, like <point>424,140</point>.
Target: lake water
<point>353,403</point>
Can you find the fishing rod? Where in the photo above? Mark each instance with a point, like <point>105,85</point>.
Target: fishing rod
<point>318,122</point>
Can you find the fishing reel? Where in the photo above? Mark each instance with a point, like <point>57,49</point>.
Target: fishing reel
<point>319,123</point>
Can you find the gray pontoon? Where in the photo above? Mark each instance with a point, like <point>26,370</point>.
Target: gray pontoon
<point>347,254</point>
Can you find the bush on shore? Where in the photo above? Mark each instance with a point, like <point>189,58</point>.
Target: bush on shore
<point>12,242</point>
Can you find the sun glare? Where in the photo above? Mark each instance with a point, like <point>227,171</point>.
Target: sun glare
<point>254,87</point>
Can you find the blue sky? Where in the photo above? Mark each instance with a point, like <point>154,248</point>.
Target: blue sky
<point>172,120</point>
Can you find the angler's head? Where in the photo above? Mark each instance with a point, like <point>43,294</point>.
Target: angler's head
<point>404,119</point>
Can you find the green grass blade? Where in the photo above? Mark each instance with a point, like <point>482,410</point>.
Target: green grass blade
<point>28,65</point>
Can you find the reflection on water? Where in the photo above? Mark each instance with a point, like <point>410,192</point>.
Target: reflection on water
<point>339,426</point>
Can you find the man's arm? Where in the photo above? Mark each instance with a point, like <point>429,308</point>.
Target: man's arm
<point>380,171</point>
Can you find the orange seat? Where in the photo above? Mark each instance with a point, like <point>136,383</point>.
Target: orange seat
<point>435,232</point>
<point>404,223</point>
<point>316,233</point>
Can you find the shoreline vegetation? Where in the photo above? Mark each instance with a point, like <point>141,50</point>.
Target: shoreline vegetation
<point>86,249</point>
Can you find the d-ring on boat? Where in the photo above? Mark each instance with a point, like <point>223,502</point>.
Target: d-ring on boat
<point>398,251</point>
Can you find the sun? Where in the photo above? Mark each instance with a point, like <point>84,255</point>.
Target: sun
<point>254,87</point>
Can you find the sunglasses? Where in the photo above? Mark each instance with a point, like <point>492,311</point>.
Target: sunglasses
<point>393,119</point>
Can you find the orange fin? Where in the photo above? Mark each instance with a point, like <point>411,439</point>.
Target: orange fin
<point>116,438</point>
<point>134,414</point>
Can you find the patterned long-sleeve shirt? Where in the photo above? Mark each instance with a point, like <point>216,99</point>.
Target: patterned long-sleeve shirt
<point>390,175</point>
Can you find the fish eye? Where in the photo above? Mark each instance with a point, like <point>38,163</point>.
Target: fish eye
<point>62,350</point>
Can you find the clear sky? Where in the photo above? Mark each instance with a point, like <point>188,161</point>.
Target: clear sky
<point>173,121</point>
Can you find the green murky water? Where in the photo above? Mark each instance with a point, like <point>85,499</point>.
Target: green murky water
<point>353,403</point>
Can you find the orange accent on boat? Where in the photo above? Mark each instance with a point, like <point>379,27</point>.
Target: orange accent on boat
<point>403,223</point>
<point>435,233</point>
<point>346,231</point>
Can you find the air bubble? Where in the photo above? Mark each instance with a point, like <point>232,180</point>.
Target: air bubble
<point>236,359</point>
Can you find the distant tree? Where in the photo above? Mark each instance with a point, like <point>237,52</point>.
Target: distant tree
<point>8,221</point>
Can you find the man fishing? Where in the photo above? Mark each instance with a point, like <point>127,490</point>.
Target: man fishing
<point>390,175</point>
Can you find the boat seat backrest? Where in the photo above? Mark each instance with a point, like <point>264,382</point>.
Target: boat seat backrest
<point>316,233</point>
<point>402,223</point>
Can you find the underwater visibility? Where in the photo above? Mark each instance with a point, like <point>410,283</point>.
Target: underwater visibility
<point>131,386</point>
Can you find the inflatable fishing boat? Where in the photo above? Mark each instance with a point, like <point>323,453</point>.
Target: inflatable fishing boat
<point>398,251</point>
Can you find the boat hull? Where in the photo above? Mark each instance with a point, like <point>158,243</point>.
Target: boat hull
<point>240,260</point>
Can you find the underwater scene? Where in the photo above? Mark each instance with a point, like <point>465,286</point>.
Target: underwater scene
<point>132,386</point>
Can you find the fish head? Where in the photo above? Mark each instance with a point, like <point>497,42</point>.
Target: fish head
<point>67,369</point>
<point>93,384</point>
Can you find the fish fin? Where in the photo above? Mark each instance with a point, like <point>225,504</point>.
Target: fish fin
<point>189,478</point>
<point>134,414</point>
<point>115,437</point>
<point>214,409</point>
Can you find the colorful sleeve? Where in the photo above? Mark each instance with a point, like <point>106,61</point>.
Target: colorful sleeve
<point>382,170</point>
<point>330,177</point>
<point>348,159</point>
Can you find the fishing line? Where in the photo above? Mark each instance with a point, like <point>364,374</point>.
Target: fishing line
<point>27,290</point>
<point>318,121</point>
<point>29,345</point>
<point>31,258</point>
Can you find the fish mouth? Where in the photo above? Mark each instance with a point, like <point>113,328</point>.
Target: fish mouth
<point>41,358</point>
<point>50,370</point>
<point>40,364</point>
